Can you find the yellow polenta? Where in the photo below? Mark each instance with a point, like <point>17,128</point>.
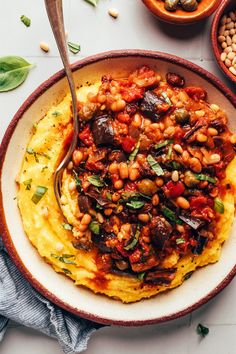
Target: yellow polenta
<point>43,221</point>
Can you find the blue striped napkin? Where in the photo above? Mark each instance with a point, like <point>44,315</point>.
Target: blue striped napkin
<point>21,303</point>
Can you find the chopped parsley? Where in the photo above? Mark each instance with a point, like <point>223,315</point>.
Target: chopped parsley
<point>73,47</point>
<point>64,258</point>
<point>202,330</point>
<point>27,184</point>
<point>38,194</point>
<point>155,165</point>
<point>67,226</point>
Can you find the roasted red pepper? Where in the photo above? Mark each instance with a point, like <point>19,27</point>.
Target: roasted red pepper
<point>131,186</point>
<point>86,136</point>
<point>128,144</point>
<point>174,189</point>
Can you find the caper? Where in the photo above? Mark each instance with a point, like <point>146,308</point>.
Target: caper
<point>190,179</point>
<point>182,116</point>
<point>171,5</point>
<point>147,186</point>
<point>189,5</point>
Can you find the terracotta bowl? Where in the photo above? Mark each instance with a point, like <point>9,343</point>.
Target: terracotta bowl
<point>180,17</point>
<point>202,286</point>
<point>224,8</point>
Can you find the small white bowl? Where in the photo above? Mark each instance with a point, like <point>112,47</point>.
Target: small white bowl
<point>203,285</point>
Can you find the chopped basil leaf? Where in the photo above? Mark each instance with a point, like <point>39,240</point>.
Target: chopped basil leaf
<point>134,152</point>
<point>73,47</point>
<point>141,276</point>
<point>92,2</point>
<point>128,195</point>
<point>67,226</point>
<point>180,240</point>
<point>108,196</point>
<point>77,180</point>
<point>202,177</point>
<point>219,206</point>
<point>134,241</point>
<point>64,258</point>
<point>26,20</point>
<point>164,143</point>
<point>27,184</point>
<point>31,151</point>
<point>56,113</point>
<point>96,181</point>
<point>66,271</point>
<point>135,204</point>
<point>171,216</point>
<point>94,227</point>
<point>165,96</point>
<point>38,194</point>
<point>202,330</point>
<point>155,165</point>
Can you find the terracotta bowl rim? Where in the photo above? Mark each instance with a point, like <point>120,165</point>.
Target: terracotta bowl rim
<point>185,18</point>
<point>214,34</point>
<point>7,138</point>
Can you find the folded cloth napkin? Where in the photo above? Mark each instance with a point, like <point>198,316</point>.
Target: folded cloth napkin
<point>21,303</point>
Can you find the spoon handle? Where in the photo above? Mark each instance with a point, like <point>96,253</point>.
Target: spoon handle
<point>55,15</point>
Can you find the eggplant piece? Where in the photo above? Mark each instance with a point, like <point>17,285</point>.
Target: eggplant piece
<point>193,130</point>
<point>193,222</point>
<point>153,106</point>
<point>102,131</point>
<point>160,232</point>
<point>175,80</point>
<point>160,276</point>
<point>218,125</point>
<point>201,244</point>
<point>95,195</point>
<point>85,203</point>
<point>100,241</point>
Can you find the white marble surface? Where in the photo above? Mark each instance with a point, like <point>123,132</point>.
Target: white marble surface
<point>97,32</point>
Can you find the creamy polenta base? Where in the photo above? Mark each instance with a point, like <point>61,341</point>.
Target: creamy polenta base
<point>43,221</point>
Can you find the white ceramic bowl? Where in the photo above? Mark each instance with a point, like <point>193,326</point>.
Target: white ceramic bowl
<point>202,286</point>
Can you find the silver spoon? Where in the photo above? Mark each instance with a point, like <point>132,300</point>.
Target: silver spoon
<point>55,15</point>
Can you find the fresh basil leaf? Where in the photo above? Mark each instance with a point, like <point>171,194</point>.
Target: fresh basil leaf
<point>67,226</point>
<point>135,204</point>
<point>13,72</point>
<point>94,227</point>
<point>219,206</point>
<point>202,330</point>
<point>202,177</point>
<point>163,144</point>
<point>155,165</point>
<point>92,2</point>
<point>26,20</point>
<point>66,271</point>
<point>134,152</point>
<point>73,47</point>
<point>134,241</point>
<point>27,184</point>
<point>169,214</point>
<point>38,194</point>
<point>96,181</point>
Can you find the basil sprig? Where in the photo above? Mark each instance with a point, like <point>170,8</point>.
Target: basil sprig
<point>73,47</point>
<point>96,181</point>
<point>13,72</point>
<point>134,152</point>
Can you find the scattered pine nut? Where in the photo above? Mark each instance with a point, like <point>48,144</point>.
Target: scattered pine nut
<point>44,46</point>
<point>113,12</point>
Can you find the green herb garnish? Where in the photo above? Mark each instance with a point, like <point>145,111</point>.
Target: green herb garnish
<point>108,196</point>
<point>64,258</point>
<point>166,98</point>
<point>96,181</point>
<point>128,195</point>
<point>38,194</point>
<point>67,226</point>
<point>135,204</point>
<point>171,216</point>
<point>180,240</point>
<point>141,276</point>
<point>27,184</point>
<point>56,113</point>
<point>77,180</point>
<point>134,241</point>
<point>73,47</point>
<point>202,177</point>
<point>202,330</point>
<point>155,165</point>
<point>94,227</point>
<point>134,152</point>
<point>169,152</point>
<point>26,20</point>
<point>13,72</point>
<point>219,206</point>
<point>44,168</point>
<point>66,271</point>
<point>164,143</point>
<point>31,151</point>
<point>92,2</point>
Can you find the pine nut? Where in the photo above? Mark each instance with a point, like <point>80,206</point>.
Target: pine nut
<point>100,218</point>
<point>231,56</point>
<point>214,158</point>
<point>228,63</point>
<point>175,176</point>
<point>221,39</point>
<point>44,46</point>
<point>113,12</point>
<point>202,138</point>
<point>232,70</point>
<point>178,148</point>
<point>223,56</point>
<point>72,186</point>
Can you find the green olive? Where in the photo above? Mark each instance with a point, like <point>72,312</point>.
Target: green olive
<point>182,116</point>
<point>146,186</point>
<point>171,5</point>
<point>190,179</point>
<point>189,5</point>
